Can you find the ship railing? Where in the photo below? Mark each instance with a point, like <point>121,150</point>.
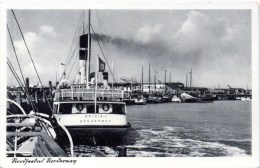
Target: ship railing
<point>88,94</point>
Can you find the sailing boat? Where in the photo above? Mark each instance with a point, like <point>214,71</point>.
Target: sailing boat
<point>87,109</point>
<point>138,95</point>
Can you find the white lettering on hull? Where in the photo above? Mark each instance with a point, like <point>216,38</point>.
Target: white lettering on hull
<point>92,119</point>
<point>95,121</point>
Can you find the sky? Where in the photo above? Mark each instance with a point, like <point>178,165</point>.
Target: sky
<point>215,44</point>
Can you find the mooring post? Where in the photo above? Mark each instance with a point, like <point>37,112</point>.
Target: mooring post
<point>50,90</point>
<point>43,94</point>
<point>36,94</point>
<point>122,151</point>
<point>19,99</point>
<point>27,90</point>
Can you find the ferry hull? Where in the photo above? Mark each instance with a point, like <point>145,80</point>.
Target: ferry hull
<point>101,135</point>
<point>98,130</point>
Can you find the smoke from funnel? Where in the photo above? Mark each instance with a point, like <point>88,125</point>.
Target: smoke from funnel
<point>133,46</point>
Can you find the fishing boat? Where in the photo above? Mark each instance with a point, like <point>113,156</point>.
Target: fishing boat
<point>153,99</point>
<point>140,100</point>
<point>245,98</point>
<point>166,98</point>
<point>138,97</point>
<point>89,107</point>
<point>206,98</point>
<point>186,98</point>
<point>176,99</point>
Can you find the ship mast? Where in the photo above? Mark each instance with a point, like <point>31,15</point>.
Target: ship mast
<point>87,68</point>
<point>142,80</point>
<point>191,79</point>
<point>149,78</point>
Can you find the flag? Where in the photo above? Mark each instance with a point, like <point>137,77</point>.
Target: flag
<point>102,65</point>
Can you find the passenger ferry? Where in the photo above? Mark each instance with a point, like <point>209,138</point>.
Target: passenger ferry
<point>88,106</point>
<point>74,108</point>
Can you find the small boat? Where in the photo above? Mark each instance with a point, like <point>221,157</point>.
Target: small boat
<point>154,99</point>
<point>186,98</point>
<point>238,98</point>
<point>140,100</point>
<point>245,98</point>
<point>129,101</point>
<point>206,99</point>
<point>166,98</point>
<point>176,99</point>
<point>138,97</point>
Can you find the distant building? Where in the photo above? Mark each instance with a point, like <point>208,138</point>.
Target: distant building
<point>158,87</point>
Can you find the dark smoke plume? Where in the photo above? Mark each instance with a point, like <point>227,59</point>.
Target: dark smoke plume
<point>153,48</point>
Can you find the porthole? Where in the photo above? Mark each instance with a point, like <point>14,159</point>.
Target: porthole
<point>105,107</point>
<point>79,107</point>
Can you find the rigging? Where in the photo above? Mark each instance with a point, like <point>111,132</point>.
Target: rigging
<point>31,59</point>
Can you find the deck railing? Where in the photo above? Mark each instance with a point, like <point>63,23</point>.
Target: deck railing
<point>88,94</point>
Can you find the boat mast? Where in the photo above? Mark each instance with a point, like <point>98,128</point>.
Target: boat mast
<point>155,81</point>
<point>112,74</point>
<point>149,78</point>
<point>187,80</point>
<point>170,77</point>
<point>190,79</point>
<point>87,68</point>
<point>165,81</point>
<point>142,79</point>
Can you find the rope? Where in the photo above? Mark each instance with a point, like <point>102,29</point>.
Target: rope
<point>15,54</point>
<point>21,85</point>
<point>14,73</point>
<point>72,67</point>
<point>104,56</point>
<point>78,70</point>
<point>101,23</point>
<point>77,29</point>
<point>68,61</point>
<point>32,60</point>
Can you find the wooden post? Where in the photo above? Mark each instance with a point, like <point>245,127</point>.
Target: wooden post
<point>43,93</point>
<point>36,94</point>
<point>50,90</point>
<point>27,90</point>
<point>19,99</point>
<point>122,151</point>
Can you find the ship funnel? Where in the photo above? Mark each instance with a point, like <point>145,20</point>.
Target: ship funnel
<point>84,47</point>
<point>83,44</point>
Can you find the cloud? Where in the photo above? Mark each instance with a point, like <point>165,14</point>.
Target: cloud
<point>209,46</point>
<point>47,30</point>
<point>146,33</point>
<point>214,44</point>
<point>31,39</point>
<point>197,34</point>
<point>42,54</point>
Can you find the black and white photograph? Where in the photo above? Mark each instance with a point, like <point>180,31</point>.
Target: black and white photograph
<point>149,82</point>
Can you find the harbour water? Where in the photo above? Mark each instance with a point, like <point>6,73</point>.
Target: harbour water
<point>221,128</point>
